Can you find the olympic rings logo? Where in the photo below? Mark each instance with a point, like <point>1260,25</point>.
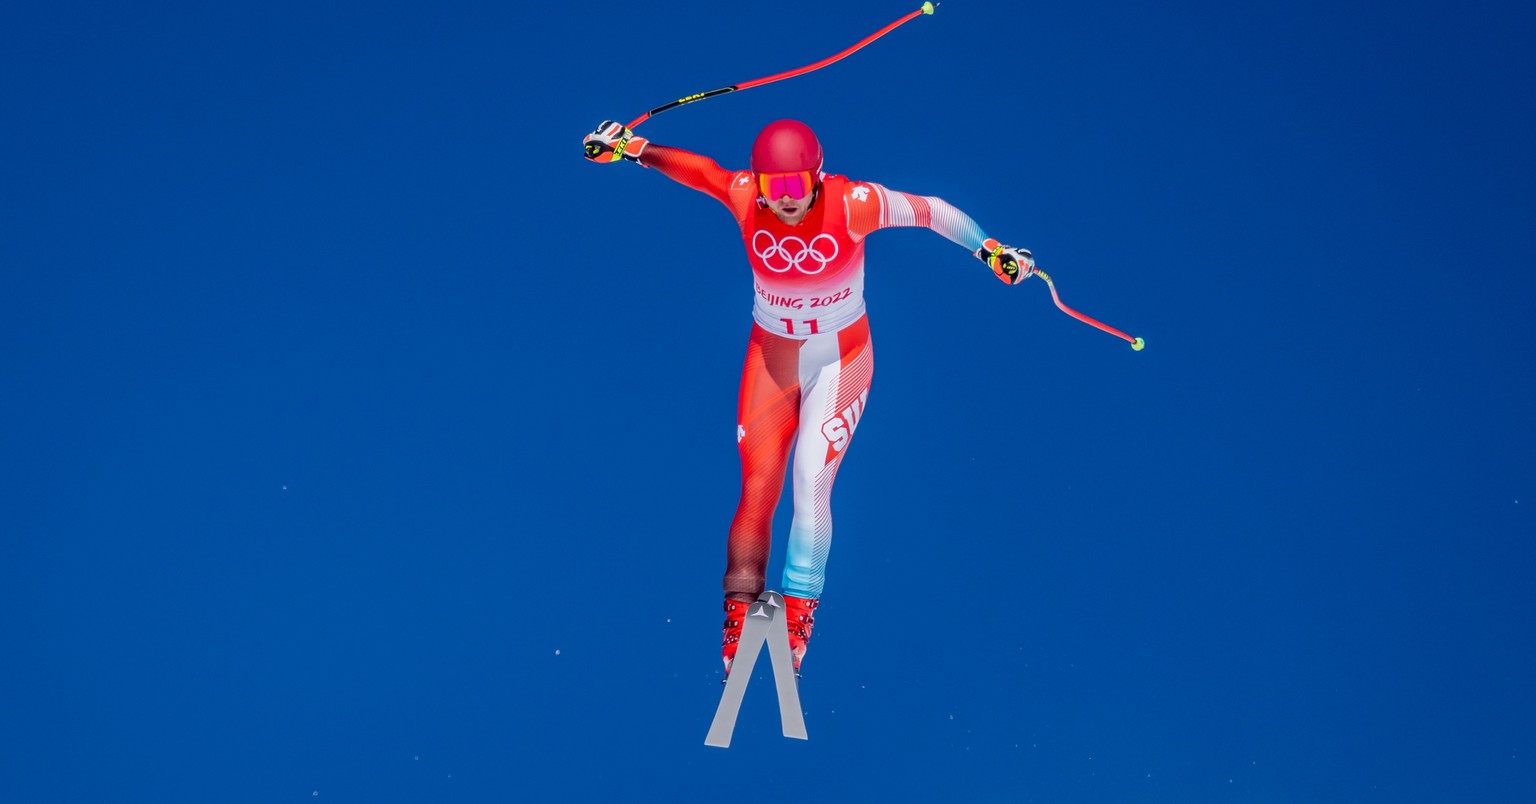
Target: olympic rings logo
<point>792,252</point>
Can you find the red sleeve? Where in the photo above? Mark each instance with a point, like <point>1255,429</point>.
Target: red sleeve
<point>690,169</point>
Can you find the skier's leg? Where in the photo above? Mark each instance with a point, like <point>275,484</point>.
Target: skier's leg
<point>835,377</point>
<point>836,371</point>
<point>768,412</point>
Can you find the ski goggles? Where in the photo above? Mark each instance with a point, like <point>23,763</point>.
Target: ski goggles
<point>796,185</point>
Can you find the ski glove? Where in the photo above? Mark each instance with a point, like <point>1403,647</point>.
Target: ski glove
<point>612,142</point>
<point>1012,265</point>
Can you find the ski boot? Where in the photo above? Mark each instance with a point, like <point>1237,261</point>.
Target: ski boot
<point>735,615</point>
<point>799,616</point>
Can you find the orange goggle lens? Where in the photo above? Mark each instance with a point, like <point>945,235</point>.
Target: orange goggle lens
<point>796,185</point>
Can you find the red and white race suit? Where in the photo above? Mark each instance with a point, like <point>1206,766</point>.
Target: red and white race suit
<point>809,360</point>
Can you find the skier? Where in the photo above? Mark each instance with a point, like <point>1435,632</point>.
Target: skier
<point>809,361</point>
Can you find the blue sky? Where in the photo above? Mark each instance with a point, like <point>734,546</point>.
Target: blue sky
<point>350,453</point>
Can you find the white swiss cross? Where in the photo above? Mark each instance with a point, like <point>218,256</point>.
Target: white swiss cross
<point>744,179</point>
<point>861,193</point>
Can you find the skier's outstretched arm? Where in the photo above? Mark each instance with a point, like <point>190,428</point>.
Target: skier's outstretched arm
<point>612,142</point>
<point>892,208</point>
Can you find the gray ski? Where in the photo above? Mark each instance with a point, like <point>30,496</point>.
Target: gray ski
<point>790,716</point>
<point>764,623</point>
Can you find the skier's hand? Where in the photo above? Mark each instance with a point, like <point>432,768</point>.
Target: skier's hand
<point>1012,265</point>
<point>612,142</point>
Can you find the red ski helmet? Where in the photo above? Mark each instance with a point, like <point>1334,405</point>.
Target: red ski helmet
<point>786,146</point>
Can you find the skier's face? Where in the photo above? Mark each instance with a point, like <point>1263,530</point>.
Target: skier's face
<point>789,195</point>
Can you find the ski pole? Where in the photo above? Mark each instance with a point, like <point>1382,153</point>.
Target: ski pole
<point>926,9</point>
<point>1136,343</point>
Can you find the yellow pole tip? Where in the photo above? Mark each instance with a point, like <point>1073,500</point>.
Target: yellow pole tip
<point>927,8</point>
<point>1139,344</point>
